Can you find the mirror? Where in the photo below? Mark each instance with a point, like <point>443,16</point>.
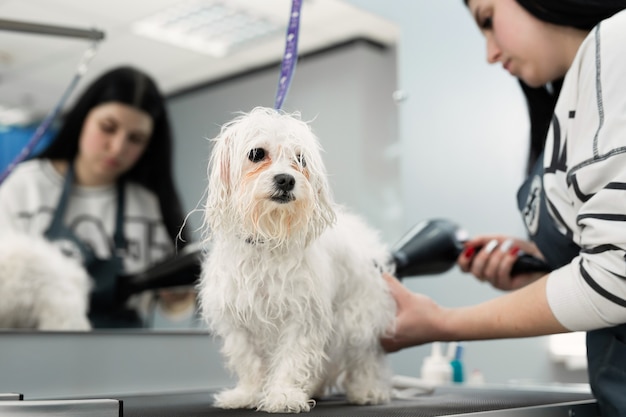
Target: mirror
<point>205,91</point>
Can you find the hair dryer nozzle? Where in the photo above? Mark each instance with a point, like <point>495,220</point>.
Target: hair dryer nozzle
<point>433,246</point>
<point>430,247</point>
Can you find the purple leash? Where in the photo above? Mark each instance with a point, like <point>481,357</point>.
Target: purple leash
<point>290,56</point>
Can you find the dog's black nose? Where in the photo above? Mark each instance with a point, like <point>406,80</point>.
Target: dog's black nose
<point>285,182</point>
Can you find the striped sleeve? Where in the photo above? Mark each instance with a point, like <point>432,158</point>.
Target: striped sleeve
<point>590,292</point>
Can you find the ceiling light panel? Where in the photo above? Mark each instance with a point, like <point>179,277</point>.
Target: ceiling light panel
<point>216,28</point>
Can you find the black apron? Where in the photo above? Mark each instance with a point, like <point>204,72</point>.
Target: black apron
<point>103,309</point>
<point>557,249</point>
<point>606,348</point>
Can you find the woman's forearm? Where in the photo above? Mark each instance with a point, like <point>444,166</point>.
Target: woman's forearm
<point>521,313</point>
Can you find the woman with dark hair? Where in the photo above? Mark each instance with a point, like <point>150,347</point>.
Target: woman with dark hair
<point>568,56</point>
<point>103,190</point>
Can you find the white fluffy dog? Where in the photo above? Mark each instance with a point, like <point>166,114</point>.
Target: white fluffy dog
<point>40,288</point>
<point>292,282</point>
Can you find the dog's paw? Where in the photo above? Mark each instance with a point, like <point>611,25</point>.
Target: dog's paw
<point>368,395</point>
<point>235,398</point>
<point>286,401</point>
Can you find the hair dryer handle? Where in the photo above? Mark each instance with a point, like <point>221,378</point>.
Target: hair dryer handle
<point>526,263</point>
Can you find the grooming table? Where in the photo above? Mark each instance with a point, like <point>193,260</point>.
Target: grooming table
<point>116,365</point>
<point>445,401</point>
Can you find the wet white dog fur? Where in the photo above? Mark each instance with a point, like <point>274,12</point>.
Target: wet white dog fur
<point>292,281</point>
<point>40,288</point>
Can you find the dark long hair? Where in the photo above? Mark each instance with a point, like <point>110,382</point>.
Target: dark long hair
<point>540,103</point>
<point>580,14</point>
<point>154,169</point>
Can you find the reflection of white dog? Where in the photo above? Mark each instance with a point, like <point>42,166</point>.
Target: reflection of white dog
<point>292,282</point>
<point>40,288</point>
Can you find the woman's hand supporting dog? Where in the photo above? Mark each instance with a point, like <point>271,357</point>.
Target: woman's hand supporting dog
<point>521,313</point>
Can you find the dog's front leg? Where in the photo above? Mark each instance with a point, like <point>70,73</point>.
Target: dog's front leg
<point>367,380</point>
<point>296,368</point>
<point>242,358</point>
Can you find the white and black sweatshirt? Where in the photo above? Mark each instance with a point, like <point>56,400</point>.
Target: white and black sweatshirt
<point>585,181</point>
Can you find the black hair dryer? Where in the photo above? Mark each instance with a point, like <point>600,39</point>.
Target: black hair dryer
<point>433,246</point>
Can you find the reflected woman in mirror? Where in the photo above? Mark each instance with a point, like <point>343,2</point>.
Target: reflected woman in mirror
<point>103,191</point>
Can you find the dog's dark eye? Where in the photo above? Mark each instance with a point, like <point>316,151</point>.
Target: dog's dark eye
<point>256,155</point>
<point>301,161</point>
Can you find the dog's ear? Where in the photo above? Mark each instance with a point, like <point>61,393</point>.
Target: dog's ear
<point>326,201</point>
<point>218,172</point>
<point>223,164</point>
<point>324,210</point>
<point>323,214</point>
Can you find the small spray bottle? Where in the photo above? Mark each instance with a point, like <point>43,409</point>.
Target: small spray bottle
<point>458,375</point>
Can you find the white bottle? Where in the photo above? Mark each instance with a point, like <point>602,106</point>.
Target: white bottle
<point>436,368</point>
